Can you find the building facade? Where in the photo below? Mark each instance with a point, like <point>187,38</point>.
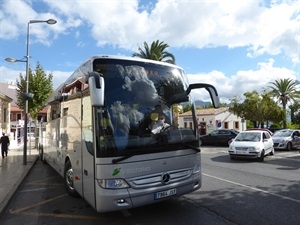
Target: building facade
<point>211,119</point>
<point>5,113</point>
<point>15,116</point>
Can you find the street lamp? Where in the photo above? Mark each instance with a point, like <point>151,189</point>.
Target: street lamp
<point>27,95</point>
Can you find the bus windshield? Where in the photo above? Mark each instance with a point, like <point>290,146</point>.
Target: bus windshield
<point>142,103</point>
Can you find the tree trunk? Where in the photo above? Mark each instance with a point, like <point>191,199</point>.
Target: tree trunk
<point>284,114</point>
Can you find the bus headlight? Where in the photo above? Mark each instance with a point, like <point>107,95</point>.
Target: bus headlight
<point>196,169</point>
<point>113,183</point>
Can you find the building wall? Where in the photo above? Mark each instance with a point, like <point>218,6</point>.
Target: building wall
<point>208,123</point>
<point>4,115</point>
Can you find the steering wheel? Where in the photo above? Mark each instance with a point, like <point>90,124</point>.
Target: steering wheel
<point>171,127</point>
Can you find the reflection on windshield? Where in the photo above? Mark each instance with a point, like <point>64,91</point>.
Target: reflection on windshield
<point>253,137</point>
<point>285,133</point>
<point>140,109</point>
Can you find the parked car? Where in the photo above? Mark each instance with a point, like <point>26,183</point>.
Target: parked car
<point>219,137</point>
<point>286,139</point>
<point>265,129</point>
<point>251,144</point>
<point>272,129</point>
<point>30,136</point>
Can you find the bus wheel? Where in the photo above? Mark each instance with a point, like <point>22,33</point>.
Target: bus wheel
<point>69,180</point>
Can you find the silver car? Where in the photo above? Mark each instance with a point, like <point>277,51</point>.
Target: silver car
<point>286,139</point>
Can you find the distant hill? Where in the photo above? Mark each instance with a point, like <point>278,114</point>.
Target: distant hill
<point>201,103</point>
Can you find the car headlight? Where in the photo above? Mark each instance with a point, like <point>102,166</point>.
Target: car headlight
<point>112,183</point>
<point>282,141</point>
<point>256,148</point>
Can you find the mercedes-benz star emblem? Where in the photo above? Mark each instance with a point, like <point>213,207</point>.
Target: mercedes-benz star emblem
<point>165,178</point>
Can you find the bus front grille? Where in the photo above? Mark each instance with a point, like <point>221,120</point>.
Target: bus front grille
<point>158,179</point>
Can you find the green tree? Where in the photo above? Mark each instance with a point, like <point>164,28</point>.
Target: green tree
<point>285,90</point>
<point>40,85</point>
<point>210,105</point>
<point>295,114</point>
<point>157,51</point>
<point>187,108</point>
<point>256,108</point>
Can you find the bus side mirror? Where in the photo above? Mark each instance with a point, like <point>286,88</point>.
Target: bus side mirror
<point>211,90</point>
<point>96,87</point>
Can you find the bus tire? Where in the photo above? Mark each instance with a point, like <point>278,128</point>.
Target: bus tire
<point>69,180</point>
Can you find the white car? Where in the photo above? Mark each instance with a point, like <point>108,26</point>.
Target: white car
<point>251,144</point>
<point>30,136</point>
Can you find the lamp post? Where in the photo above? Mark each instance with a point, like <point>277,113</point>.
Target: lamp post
<point>27,95</point>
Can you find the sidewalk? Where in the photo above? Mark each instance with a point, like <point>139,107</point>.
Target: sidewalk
<point>12,172</point>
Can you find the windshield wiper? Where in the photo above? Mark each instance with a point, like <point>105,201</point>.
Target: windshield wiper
<point>197,149</point>
<point>114,161</point>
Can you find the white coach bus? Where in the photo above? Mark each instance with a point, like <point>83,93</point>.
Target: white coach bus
<point>113,134</point>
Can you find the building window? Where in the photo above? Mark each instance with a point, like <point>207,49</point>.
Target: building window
<point>4,115</point>
<point>19,116</point>
<point>236,125</point>
<point>185,125</point>
<point>191,125</point>
<point>65,113</point>
<point>226,125</point>
<point>42,118</point>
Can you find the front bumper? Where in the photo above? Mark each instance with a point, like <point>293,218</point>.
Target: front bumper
<point>279,145</point>
<point>239,154</point>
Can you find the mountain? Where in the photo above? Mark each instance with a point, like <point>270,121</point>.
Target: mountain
<point>201,103</point>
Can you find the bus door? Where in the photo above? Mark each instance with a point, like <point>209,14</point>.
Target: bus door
<point>89,111</point>
<point>88,161</point>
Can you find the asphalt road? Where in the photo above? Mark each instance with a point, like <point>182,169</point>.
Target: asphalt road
<point>233,192</point>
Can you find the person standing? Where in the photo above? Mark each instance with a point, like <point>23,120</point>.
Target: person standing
<point>4,141</point>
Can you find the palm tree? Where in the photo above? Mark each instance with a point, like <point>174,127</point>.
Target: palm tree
<point>155,52</point>
<point>285,90</point>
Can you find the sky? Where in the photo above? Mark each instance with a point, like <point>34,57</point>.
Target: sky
<point>237,46</point>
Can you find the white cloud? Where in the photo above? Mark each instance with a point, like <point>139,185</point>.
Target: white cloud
<point>272,29</point>
<point>59,77</point>
<point>263,28</point>
<point>11,76</point>
<point>228,86</point>
<point>241,82</point>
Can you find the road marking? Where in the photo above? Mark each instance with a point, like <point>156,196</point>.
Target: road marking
<point>22,211</point>
<point>253,188</point>
<point>39,181</point>
<point>69,216</point>
<point>37,204</point>
<point>36,189</point>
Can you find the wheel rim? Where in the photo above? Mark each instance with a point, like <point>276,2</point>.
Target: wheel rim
<point>289,146</point>
<point>69,178</point>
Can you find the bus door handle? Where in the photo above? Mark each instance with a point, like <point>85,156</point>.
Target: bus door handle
<point>85,172</point>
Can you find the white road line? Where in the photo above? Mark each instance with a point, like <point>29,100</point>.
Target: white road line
<point>253,188</point>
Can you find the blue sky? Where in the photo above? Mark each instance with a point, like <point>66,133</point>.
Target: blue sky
<point>237,46</point>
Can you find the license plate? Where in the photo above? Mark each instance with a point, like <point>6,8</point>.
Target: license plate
<point>164,194</point>
<point>242,152</point>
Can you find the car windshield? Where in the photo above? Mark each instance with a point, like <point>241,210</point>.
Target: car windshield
<point>282,133</point>
<point>252,137</point>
